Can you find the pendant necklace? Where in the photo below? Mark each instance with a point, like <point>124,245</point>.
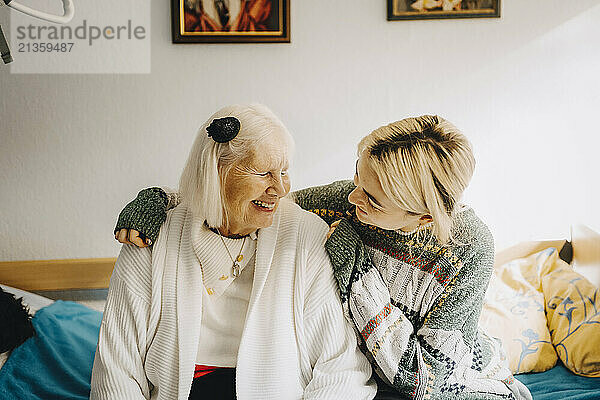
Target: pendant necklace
<point>235,268</point>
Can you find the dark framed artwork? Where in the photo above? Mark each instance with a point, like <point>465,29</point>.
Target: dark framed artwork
<point>441,9</point>
<point>230,21</point>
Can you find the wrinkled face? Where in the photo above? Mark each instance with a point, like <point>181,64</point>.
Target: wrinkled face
<point>373,207</point>
<point>254,187</point>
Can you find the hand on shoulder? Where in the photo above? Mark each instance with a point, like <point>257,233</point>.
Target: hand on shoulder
<point>332,228</point>
<point>131,236</point>
<point>140,220</point>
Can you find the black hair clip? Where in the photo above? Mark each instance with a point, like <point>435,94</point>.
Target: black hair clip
<point>222,130</point>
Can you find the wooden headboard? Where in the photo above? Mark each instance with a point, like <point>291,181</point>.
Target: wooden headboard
<point>40,275</point>
<point>94,273</point>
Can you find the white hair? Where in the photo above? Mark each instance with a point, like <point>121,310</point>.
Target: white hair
<point>209,162</point>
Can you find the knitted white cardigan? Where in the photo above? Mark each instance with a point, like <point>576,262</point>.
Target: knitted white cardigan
<point>296,342</point>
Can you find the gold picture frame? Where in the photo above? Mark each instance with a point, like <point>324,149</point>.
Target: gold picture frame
<point>442,9</point>
<point>230,21</point>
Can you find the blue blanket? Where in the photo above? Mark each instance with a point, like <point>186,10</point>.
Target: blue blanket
<point>57,362</point>
<point>561,384</point>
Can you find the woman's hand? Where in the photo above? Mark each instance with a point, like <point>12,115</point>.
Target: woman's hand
<point>131,236</point>
<point>140,221</point>
<point>332,228</point>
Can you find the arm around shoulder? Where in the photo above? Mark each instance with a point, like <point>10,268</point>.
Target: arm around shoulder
<point>146,213</point>
<point>330,202</point>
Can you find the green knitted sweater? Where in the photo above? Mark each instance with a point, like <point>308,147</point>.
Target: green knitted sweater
<point>415,304</point>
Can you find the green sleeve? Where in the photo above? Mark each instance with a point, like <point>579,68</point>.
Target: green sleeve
<point>146,213</point>
<point>330,202</point>
<point>347,254</point>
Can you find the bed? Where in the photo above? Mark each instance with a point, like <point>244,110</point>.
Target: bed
<point>57,362</point>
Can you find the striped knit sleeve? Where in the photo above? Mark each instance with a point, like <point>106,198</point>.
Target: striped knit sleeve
<point>330,202</point>
<point>340,370</point>
<point>118,371</point>
<point>435,357</point>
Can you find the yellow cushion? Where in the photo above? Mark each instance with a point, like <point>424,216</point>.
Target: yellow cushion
<point>586,253</point>
<point>573,313</point>
<point>514,312</point>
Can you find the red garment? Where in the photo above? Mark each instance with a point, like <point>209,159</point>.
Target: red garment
<point>199,22</point>
<point>202,370</point>
<point>253,16</point>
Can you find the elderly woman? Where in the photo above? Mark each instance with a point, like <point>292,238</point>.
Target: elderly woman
<point>411,262</point>
<point>237,295</point>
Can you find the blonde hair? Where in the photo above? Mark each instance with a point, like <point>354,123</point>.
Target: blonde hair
<point>424,164</point>
<point>201,183</point>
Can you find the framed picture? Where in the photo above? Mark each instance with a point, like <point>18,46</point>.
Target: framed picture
<point>441,9</point>
<point>230,21</point>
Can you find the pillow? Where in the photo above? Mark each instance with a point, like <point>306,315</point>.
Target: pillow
<point>586,253</point>
<point>514,312</point>
<point>573,312</point>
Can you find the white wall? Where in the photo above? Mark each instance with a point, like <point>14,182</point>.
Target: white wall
<point>524,88</point>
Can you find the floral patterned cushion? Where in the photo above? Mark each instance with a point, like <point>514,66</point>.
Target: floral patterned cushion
<point>514,312</point>
<point>573,313</point>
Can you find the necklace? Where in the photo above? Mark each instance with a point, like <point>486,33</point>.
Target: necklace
<point>417,231</point>
<point>235,268</point>
<point>215,230</point>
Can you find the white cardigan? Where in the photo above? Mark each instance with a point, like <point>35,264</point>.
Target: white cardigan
<point>296,342</point>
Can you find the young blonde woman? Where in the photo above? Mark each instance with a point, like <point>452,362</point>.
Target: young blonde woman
<point>412,263</point>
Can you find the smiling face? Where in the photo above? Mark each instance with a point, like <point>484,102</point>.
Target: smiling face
<point>253,188</point>
<point>373,207</point>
